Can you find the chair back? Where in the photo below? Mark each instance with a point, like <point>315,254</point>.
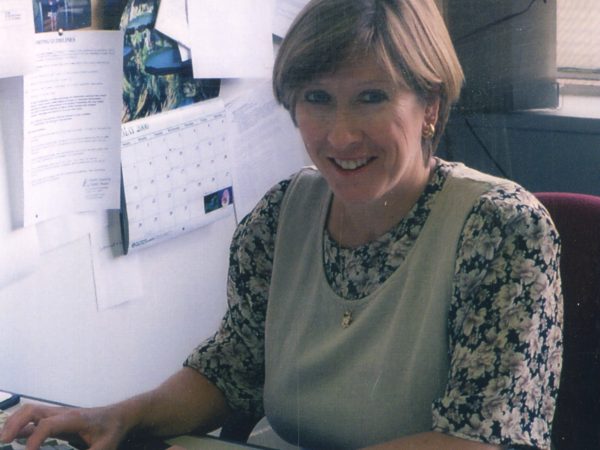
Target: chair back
<point>577,419</point>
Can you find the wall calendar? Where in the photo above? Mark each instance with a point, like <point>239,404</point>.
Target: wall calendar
<point>176,173</point>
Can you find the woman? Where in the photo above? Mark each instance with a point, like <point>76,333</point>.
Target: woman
<point>387,299</point>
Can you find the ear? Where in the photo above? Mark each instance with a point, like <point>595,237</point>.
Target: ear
<point>432,108</point>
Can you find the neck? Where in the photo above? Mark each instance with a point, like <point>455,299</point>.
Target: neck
<point>353,225</point>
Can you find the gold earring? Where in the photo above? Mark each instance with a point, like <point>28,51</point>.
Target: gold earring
<point>428,131</point>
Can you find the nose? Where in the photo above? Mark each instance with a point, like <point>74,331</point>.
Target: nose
<point>344,130</point>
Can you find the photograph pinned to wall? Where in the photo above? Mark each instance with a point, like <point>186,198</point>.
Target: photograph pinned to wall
<point>156,77</point>
<point>217,200</point>
<point>55,15</point>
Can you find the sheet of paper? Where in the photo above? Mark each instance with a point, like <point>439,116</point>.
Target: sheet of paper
<point>285,13</point>
<point>231,39</point>
<point>265,146</point>
<point>63,230</point>
<point>16,37</point>
<point>117,278</point>
<point>184,52</point>
<point>11,120</point>
<point>172,20</point>
<point>20,255</point>
<point>5,204</point>
<point>176,173</point>
<point>72,124</point>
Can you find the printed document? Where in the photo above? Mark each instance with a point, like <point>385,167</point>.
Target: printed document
<point>72,124</point>
<point>262,135</point>
<point>16,37</point>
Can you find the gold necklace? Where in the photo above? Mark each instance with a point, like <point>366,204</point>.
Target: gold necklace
<point>347,318</point>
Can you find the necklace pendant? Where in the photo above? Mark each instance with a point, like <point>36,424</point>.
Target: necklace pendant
<point>347,319</point>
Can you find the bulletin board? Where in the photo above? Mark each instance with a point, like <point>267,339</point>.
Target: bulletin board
<point>88,320</point>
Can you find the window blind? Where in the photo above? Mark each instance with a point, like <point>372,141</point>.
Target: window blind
<point>578,43</point>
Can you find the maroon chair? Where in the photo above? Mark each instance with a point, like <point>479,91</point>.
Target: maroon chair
<point>577,419</point>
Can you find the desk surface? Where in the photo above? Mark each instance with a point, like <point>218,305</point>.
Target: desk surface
<point>187,442</point>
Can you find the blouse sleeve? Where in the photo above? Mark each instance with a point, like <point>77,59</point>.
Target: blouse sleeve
<point>505,322</point>
<point>233,359</point>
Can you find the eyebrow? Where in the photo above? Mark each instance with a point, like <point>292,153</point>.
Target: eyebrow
<point>360,83</point>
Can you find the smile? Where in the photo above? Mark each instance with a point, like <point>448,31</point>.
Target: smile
<point>351,164</point>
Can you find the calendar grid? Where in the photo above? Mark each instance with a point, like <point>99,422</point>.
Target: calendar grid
<point>176,174</point>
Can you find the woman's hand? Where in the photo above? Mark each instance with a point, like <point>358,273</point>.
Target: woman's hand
<point>100,428</point>
<point>186,401</point>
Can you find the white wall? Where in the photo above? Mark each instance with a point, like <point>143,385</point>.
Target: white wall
<point>56,345</point>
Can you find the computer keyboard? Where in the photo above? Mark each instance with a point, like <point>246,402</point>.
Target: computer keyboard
<point>19,444</point>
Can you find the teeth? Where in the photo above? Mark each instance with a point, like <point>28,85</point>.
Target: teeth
<point>351,164</point>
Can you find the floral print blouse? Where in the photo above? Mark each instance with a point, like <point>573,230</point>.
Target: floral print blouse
<point>504,324</point>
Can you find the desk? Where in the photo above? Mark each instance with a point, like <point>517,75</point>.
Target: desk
<point>187,442</point>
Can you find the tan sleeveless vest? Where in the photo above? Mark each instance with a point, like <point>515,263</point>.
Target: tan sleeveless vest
<point>327,386</point>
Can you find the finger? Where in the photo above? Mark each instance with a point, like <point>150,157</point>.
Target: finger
<point>26,431</point>
<point>69,422</point>
<point>21,419</point>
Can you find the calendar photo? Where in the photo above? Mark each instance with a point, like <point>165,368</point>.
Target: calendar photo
<point>176,173</point>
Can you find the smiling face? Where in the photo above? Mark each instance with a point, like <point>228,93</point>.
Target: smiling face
<point>363,132</point>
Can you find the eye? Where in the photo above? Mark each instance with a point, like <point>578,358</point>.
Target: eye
<point>373,96</point>
<point>317,96</point>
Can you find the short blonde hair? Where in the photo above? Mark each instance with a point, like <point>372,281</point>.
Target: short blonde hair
<point>407,37</point>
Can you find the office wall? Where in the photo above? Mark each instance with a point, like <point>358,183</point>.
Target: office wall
<point>55,343</point>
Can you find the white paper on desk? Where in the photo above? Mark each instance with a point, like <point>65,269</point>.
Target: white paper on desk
<point>172,20</point>
<point>285,13</point>
<point>231,39</point>
<point>266,147</point>
<point>16,37</point>
<point>117,278</point>
<point>72,124</point>
<point>20,255</point>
